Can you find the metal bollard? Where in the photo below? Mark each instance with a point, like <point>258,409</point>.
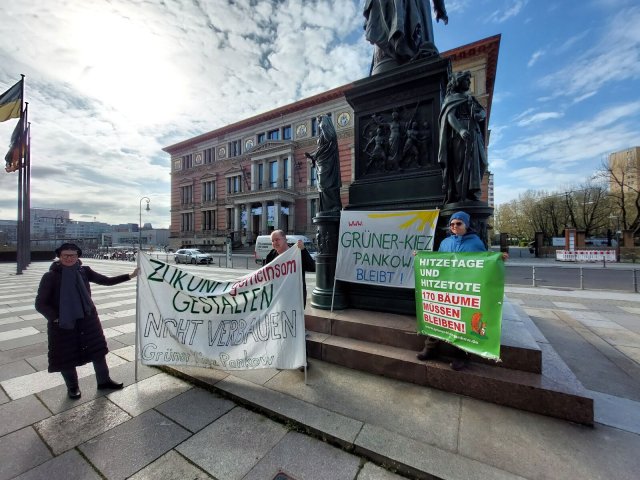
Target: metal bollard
<point>533,275</point>
<point>635,281</point>
<point>581,279</point>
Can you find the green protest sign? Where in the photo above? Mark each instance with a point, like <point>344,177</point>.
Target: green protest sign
<point>459,299</point>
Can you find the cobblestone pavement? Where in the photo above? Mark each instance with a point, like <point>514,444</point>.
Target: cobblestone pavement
<point>160,427</point>
<point>165,427</point>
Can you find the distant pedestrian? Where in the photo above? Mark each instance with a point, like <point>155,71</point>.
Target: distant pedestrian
<point>73,328</point>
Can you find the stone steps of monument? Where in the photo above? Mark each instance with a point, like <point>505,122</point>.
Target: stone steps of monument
<point>519,350</point>
<point>556,392</point>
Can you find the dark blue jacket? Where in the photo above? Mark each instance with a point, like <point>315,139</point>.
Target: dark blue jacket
<point>469,242</point>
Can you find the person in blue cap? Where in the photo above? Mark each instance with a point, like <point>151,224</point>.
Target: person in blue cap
<point>461,239</point>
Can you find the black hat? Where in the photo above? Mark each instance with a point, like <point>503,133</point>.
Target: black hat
<point>68,246</point>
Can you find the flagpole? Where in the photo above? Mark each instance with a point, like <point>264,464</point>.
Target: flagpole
<point>23,186</point>
<point>19,229</point>
<point>28,195</point>
<point>20,221</point>
<point>137,335</point>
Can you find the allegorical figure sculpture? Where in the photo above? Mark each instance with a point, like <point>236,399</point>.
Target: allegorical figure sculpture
<point>378,156</point>
<point>327,164</point>
<point>462,155</point>
<point>401,30</point>
<point>395,142</point>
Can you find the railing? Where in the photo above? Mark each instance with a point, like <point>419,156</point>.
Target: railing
<point>586,255</point>
<point>246,262</point>
<point>583,278</point>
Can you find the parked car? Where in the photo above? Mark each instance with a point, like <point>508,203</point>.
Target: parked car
<point>192,255</point>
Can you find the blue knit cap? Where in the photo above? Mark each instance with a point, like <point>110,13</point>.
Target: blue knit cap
<point>461,216</point>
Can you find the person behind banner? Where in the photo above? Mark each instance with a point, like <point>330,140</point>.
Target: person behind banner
<point>73,328</point>
<point>279,244</point>
<point>461,239</point>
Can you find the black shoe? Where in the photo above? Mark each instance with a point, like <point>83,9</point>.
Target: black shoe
<point>458,364</point>
<point>110,385</point>
<point>74,393</point>
<point>427,354</point>
<point>301,369</point>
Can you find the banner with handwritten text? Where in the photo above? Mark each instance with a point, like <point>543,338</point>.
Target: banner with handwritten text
<point>253,322</point>
<point>459,299</point>
<point>377,248</point>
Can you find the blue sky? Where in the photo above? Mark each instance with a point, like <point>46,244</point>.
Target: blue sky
<point>111,83</point>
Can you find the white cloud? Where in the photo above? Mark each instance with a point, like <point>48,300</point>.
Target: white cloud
<point>513,8</point>
<point>534,57</point>
<point>577,145</point>
<point>584,96</point>
<point>538,117</point>
<point>111,83</point>
<point>614,58</point>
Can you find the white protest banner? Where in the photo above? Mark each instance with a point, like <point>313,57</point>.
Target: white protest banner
<point>256,321</point>
<point>377,248</point>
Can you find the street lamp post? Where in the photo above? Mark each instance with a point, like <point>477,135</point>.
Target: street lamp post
<point>140,223</point>
<point>611,217</point>
<point>138,256</point>
<point>55,229</point>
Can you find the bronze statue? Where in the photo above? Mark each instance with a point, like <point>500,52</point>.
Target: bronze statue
<point>378,156</point>
<point>395,142</point>
<point>410,152</point>
<point>425,144</point>
<point>327,163</point>
<point>462,155</point>
<point>401,30</point>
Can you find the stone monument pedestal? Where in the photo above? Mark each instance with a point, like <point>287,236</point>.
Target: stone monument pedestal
<point>396,156</point>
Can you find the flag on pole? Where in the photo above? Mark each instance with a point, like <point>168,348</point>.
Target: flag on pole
<point>13,158</point>
<point>11,102</point>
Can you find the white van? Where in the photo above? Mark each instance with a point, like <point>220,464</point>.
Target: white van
<point>263,246</point>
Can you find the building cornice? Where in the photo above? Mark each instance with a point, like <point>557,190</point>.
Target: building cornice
<point>309,102</point>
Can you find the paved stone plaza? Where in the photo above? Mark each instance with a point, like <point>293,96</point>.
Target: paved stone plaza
<point>252,425</point>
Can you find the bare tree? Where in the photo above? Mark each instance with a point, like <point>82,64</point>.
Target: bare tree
<point>624,193</point>
<point>588,208</point>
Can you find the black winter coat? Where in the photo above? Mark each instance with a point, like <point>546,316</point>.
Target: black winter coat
<point>86,342</point>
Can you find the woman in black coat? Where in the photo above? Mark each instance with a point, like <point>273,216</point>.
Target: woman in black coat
<point>73,327</point>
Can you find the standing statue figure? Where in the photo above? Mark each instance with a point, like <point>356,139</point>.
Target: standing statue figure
<point>401,30</point>
<point>424,136</point>
<point>462,155</point>
<point>327,163</point>
<point>395,142</point>
<point>410,152</point>
<point>378,156</point>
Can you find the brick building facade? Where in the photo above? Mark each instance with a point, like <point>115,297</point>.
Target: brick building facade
<point>250,177</point>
